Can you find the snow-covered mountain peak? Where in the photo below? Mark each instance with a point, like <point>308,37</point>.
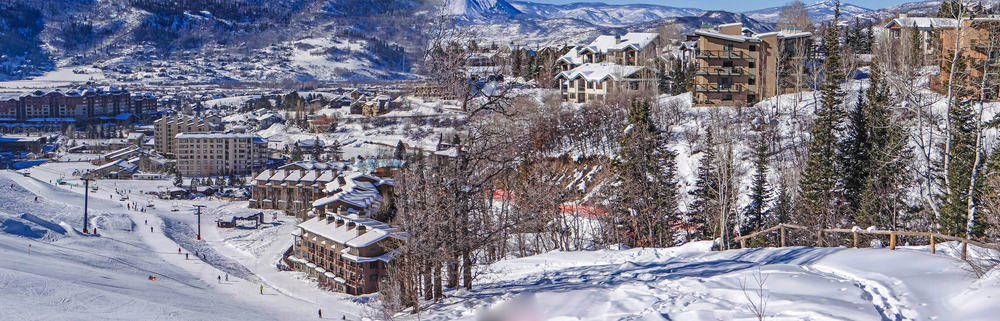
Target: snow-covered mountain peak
<point>480,8</point>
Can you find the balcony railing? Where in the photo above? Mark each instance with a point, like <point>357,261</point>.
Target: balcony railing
<point>725,54</point>
<point>716,88</point>
<point>721,71</point>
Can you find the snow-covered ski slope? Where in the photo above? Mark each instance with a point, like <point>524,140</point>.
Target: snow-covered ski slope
<point>66,275</point>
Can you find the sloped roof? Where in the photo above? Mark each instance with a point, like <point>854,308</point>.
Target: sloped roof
<point>923,23</point>
<point>600,71</point>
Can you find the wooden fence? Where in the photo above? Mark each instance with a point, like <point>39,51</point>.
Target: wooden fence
<point>934,237</point>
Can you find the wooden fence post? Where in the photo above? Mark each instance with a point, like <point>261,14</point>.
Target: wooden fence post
<point>855,239</point>
<point>782,235</point>
<point>892,240</point>
<point>965,248</point>
<point>743,243</point>
<point>933,250</point>
<point>819,238</point>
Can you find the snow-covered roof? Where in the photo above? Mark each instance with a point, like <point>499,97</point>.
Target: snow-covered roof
<point>350,232</point>
<point>571,57</point>
<point>600,71</point>
<point>634,40</point>
<point>121,164</point>
<point>923,23</point>
<point>716,34</point>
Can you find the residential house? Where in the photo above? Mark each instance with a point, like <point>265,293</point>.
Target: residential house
<point>926,27</point>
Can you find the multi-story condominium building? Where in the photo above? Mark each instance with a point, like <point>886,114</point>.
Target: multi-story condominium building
<point>293,187</point>
<point>81,105</point>
<point>166,128</point>
<point>219,154</point>
<point>925,27</point>
<point>980,47</point>
<point>609,64</point>
<point>342,247</point>
<point>344,252</point>
<point>737,67</point>
<point>596,80</point>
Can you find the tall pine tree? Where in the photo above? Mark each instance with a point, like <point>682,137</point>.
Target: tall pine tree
<point>706,190</point>
<point>644,199</point>
<point>760,192</point>
<point>820,183</point>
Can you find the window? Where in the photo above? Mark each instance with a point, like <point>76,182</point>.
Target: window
<point>725,82</point>
<point>727,97</point>
<point>727,47</point>
<point>753,47</point>
<point>751,64</point>
<point>752,81</point>
<point>727,64</point>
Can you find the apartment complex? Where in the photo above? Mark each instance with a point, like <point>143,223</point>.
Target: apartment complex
<point>737,67</point>
<point>609,64</point>
<point>925,27</point>
<point>166,128</point>
<point>81,105</point>
<point>293,187</point>
<point>342,247</point>
<point>219,154</point>
<point>980,46</point>
<point>344,252</point>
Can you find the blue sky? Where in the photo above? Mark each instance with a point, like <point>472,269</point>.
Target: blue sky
<point>733,5</point>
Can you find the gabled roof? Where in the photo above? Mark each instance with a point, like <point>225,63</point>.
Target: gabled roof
<point>600,71</point>
<point>634,40</point>
<point>922,23</point>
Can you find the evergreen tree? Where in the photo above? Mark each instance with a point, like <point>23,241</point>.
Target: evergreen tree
<point>706,190</point>
<point>178,179</point>
<point>820,182</point>
<point>856,157</point>
<point>760,192</point>
<point>297,153</point>
<point>400,152</point>
<point>644,198</point>
<point>885,189</point>
<point>949,8</point>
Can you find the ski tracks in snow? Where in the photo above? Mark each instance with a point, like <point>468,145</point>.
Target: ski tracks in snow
<point>877,288</point>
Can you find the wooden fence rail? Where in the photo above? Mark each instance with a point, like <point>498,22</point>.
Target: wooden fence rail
<point>934,237</point>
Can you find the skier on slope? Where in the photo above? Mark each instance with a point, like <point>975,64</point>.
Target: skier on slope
<point>261,289</point>
<point>320,313</point>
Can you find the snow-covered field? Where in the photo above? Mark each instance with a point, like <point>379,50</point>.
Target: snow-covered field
<point>692,283</point>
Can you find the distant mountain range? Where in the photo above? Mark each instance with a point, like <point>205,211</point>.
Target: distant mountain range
<point>821,11</point>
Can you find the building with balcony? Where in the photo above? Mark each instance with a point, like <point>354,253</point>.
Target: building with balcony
<point>925,27</point>
<point>82,105</point>
<point>980,48</point>
<point>344,252</point>
<point>596,80</point>
<point>219,154</point>
<point>166,129</point>
<point>293,187</point>
<point>609,64</point>
<point>342,247</point>
<point>737,67</point>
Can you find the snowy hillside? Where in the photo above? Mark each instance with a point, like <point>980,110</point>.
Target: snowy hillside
<point>819,12</point>
<point>479,9</point>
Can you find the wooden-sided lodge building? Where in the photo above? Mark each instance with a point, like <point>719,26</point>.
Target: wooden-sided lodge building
<point>980,48</point>
<point>293,187</point>
<point>737,67</point>
<point>342,247</point>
